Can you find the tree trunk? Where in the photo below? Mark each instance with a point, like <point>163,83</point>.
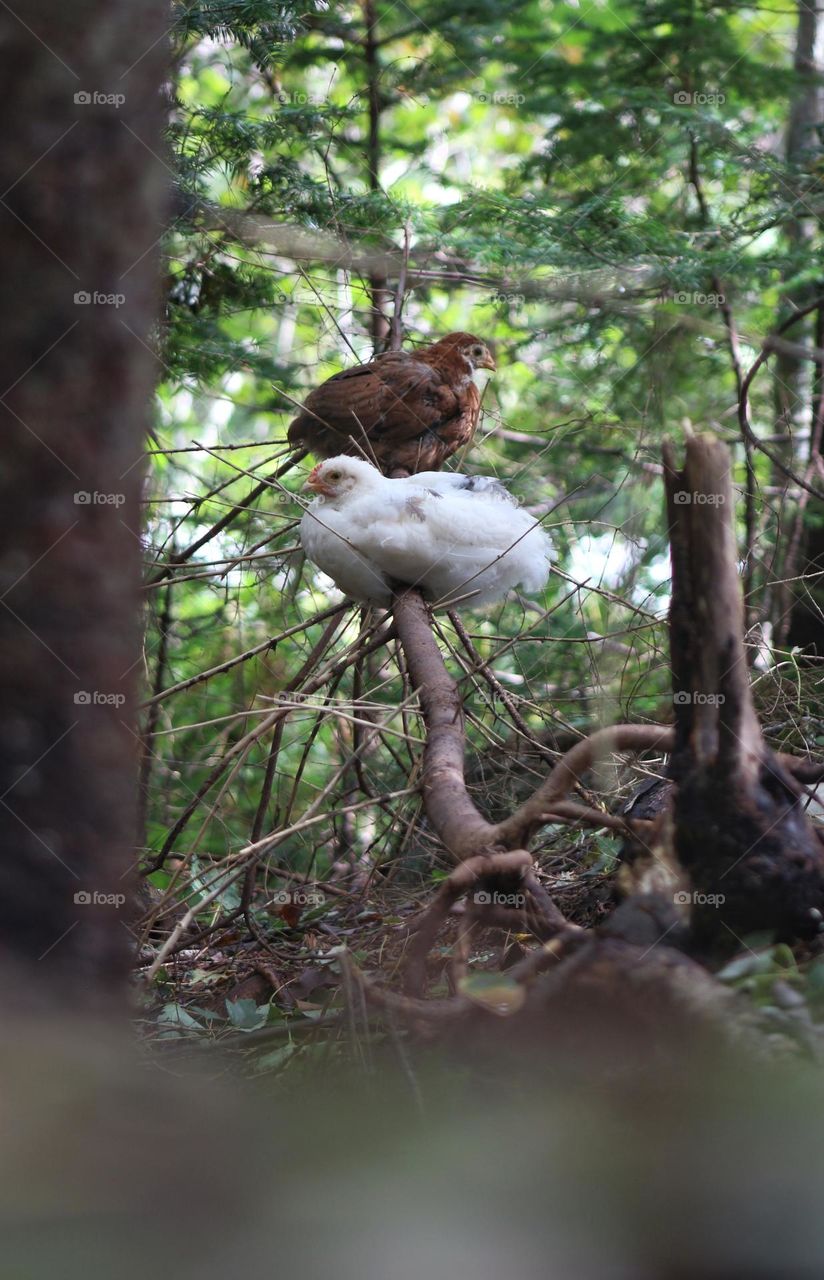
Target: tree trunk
<point>80,217</point>
<point>800,623</point>
<point>379,297</point>
<point>741,835</point>
<point>790,376</point>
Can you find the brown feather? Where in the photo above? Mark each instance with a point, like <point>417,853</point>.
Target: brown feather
<point>410,411</point>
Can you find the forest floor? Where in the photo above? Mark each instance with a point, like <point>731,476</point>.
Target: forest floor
<point>277,993</point>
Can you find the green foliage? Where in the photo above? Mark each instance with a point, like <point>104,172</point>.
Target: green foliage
<point>579,184</point>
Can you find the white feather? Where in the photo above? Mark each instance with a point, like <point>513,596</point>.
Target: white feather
<point>460,539</point>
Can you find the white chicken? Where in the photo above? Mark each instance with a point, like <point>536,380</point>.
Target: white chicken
<point>461,539</point>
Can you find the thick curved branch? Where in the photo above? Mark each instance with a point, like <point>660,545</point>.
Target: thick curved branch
<point>517,828</point>
<point>448,804</point>
<point>449,807</point>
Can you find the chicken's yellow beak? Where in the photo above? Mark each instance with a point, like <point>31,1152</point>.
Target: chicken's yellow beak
<point>487,362</point>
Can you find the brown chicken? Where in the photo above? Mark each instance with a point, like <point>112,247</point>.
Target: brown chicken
<point>408,411</point>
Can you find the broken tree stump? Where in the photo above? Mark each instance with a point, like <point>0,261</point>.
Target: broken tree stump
<point>741,835</point>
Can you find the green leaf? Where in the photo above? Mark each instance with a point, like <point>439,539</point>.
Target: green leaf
<point>276,1057</point>
<point>176,1015</point>
<point>247,1015</point>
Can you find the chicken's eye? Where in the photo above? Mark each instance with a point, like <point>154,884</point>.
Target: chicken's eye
<point>333,475</point>
<point>477,351</point>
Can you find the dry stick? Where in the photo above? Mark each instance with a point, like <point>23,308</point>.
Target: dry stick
<point>147,737</point>
<point>459,881</point>
<point>569,811</point>
<point>331,690</point>
<point>250,878</point>
<point>275,553</point>
<point>209,574</point>
<point>431,1012</point>
<point>228,562</point>
<point>171,899</point>
<point>374,730</point>
<point>482,667</point>
<point>332,317</point>
<point>311,818</point>
<point>221,448</point>
<point>242,746</point>
<point>224,879</point>
<point>265,797</point>
<point>271,643</point>
<point>211,494</point>
<point>461,953</point>
<point>395,332</point>
<point>453,814</point>
<point>243,505</point>
<point>569,770</point>
<point>238,862</point>
<point>185,921</point>
<point>257,825</point>
<point>743,416</point>
<point>357,755</point>
<point>266,788</point>
<point>231,916</point>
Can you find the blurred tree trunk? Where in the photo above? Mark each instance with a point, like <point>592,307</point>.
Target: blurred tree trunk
<point>794,381</point>
<point>379,298</point>
<point>81,208</point>
<point>791,380</point>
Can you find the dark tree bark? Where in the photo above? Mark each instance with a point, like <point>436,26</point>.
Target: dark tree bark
<point>741,834</point>
<point>379,296</point>
<point>798,608</point>
<point>81,209</point>
<point>790,382</point>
